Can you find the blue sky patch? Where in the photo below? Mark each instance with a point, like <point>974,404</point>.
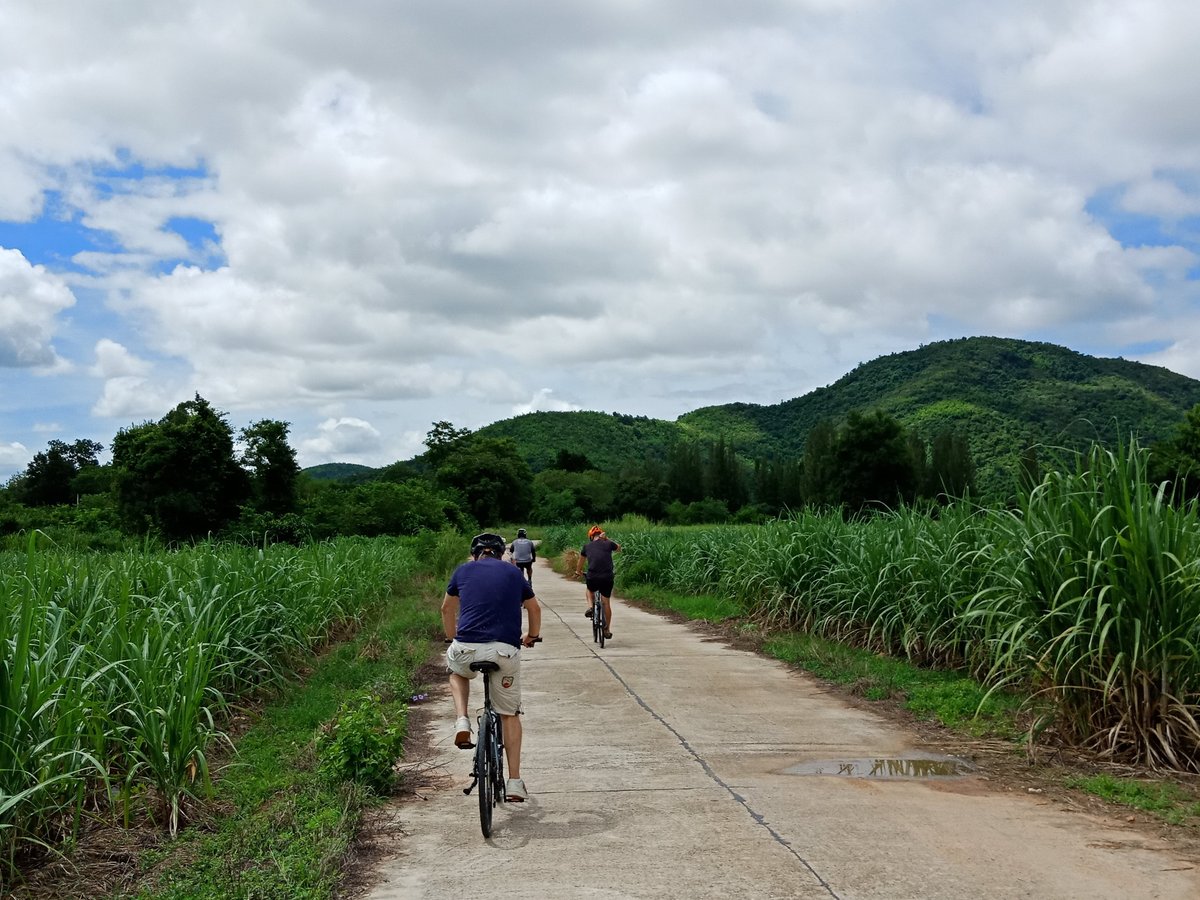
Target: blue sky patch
<point>197,232</point>
<point>55,237</point>
<point>1130,229</point>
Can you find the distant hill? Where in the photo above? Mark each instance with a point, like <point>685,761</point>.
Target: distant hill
<point>339,472</point>
<point>1002,395</point>
<point>609,441</point>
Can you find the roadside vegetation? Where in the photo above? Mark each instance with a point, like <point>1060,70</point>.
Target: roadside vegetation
<point>125,675</point>
<point>1086,597</point>
<point>323,751</point>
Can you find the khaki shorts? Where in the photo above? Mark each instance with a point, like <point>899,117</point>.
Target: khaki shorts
<point>506,683</point>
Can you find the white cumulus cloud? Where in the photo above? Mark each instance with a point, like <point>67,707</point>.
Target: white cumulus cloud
<point>31,300</point>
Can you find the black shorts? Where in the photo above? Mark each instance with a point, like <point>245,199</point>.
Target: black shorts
<point>527,566</point>
<point>601,583</point>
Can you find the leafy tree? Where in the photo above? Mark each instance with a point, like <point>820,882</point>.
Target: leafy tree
<point>1029,469</point>
<point>555,507</point>
<point>271,462</point>
<point>725,481</point>
<point>641,492</point>
<point>952,472</point>
<point>442,441</point>
<point>490,475</point>
<point>179,475</point>
<point>380,508</point>
<point>51,474</point>
<point>592,493</point>
<point>398,471</point>
<point>874,466</point>
<point>753,514</point>
<point>572,462</point>
<point>922,473</point>
<point>700,512</point>
<point>777,485</point>
<point>819,481</point>
<point>1177,459</point>
<point>685,472</point>
<point>92,481</point>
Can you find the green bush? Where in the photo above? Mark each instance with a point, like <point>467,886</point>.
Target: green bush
<point>360,745</point>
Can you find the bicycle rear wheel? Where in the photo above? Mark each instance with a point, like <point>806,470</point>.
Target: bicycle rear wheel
<point>486,778</point>
<point>498,760</point>
<point>599,617</point>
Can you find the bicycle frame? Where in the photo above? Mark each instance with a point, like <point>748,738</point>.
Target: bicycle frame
<point>487,770</point>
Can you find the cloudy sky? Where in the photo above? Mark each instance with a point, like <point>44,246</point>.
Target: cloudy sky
<point>364,216</point>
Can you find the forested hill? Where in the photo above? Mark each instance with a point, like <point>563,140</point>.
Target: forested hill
<point>1001,394</point>
<point>609,441</point>
<point>338,472</point>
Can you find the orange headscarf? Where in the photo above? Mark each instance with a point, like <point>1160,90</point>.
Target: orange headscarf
<point>594,530</point>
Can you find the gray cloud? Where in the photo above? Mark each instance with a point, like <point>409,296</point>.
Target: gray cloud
<point>442,211</point>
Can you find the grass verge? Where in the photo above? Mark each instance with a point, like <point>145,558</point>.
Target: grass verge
<point>695,607</point>
<point>1170,802</point>
<point>955,701</point>
<point>288,828</point>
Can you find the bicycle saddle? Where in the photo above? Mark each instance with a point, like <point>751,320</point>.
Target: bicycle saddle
<point>485,666</point>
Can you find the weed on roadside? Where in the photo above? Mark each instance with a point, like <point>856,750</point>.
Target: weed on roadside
<point>1173,803</point>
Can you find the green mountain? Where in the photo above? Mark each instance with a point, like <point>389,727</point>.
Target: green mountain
<point>609,441</point>
<point>339,472</point>
<point>1002,395</point>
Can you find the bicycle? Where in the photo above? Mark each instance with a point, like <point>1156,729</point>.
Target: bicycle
<point>487,767</point>
<point>599,625</point>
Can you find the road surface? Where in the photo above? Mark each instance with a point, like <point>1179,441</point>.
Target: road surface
<point>671,765</point>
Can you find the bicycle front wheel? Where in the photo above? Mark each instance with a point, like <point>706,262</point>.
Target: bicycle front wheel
<point>484,757</point>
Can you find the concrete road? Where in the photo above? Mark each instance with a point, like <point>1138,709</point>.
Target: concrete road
<point>668,765</point>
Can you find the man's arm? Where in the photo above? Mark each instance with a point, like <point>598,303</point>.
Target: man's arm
<point>449,616</point>
<point>534,610</point>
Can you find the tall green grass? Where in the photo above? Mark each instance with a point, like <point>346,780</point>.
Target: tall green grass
<point>1087,594</point>
<point>117,668</point>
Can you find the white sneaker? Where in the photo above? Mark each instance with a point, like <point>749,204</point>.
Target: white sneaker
<point>514,791</point>
<point>462,733</point>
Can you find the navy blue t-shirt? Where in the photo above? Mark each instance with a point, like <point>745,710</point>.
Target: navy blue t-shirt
<point>490,595</point>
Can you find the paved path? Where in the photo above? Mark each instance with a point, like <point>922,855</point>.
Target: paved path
<point>659,767</point>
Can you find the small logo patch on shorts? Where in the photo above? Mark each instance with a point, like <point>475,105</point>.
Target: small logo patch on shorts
<point>506,681</point>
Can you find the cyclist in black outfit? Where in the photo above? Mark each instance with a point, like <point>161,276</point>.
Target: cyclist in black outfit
<point>598,552</point>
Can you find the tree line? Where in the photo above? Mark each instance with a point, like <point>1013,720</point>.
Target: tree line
<point>189,475</point>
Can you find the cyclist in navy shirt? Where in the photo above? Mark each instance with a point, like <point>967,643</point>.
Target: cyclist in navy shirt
<point>481,618</point>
